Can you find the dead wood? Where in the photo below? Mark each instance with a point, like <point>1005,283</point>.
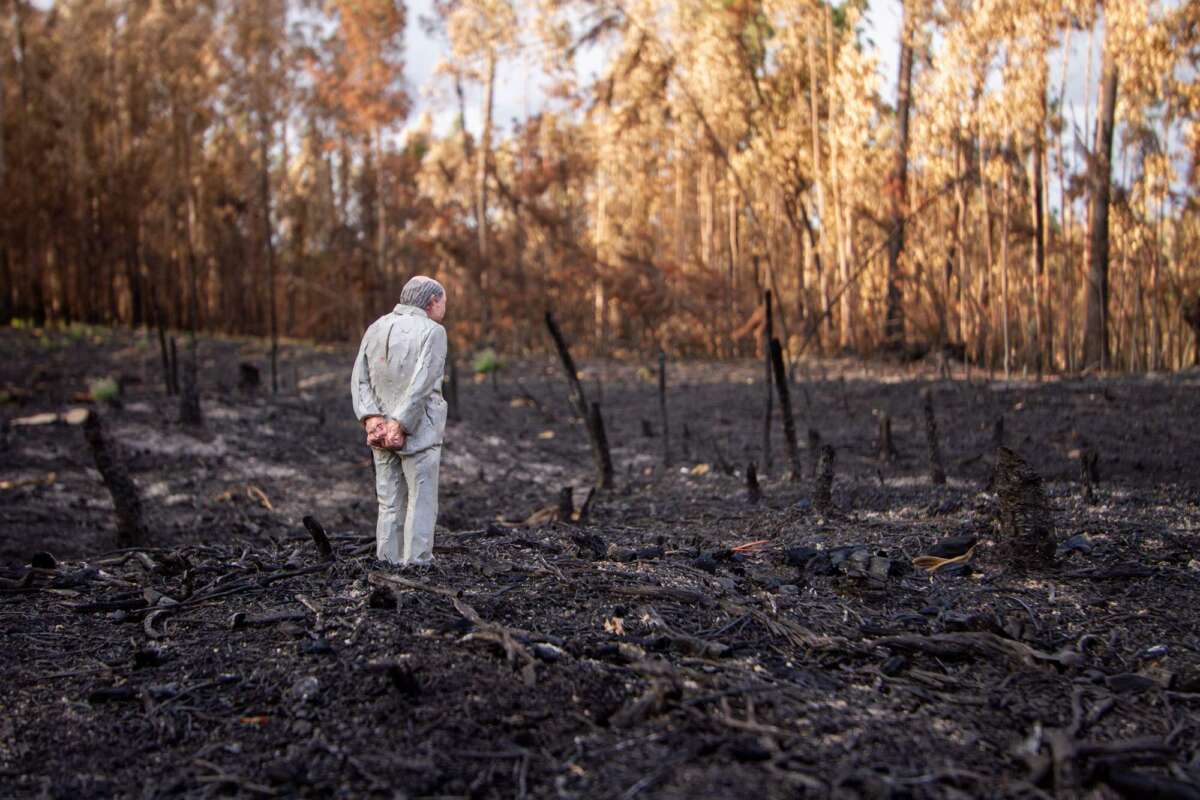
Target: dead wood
<point>785,408</point>
<point>189,394</point>
<point>887,447</point>
<point>1026,538</point>
<point>823,487</point>
<point>753,492</point>
<point>814,447</point>
<point>1089,473</point>
<point>320,539</point>
<point>977,644</point>
<point>596,426</point>
<point>662,408</point>
<point>127,501</point>
<point>937,472</point>
<point>589,414</point>
<point>768,334</point>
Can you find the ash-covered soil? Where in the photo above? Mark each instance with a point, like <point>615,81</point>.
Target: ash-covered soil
<point>680,641</point>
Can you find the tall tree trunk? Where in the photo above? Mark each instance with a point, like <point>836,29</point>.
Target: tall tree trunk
<point>481,184</point>
<point>264,189</point>
<point>845,330</point>
<point>1095,333</point>
<point>1037,209</point>
<point>894,315</point>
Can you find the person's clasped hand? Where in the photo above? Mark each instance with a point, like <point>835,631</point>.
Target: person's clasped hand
<point>384,433</point>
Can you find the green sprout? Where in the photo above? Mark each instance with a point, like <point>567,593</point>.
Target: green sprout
<point>486,362</point>
<point>104,390</point>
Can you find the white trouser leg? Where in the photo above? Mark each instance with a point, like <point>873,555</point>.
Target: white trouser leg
<point>391,490</point>
<point>421,476</point>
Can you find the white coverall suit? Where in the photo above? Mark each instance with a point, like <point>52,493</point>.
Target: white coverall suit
<point>398,375</point>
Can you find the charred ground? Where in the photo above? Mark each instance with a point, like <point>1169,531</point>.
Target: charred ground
<point>633,654</point>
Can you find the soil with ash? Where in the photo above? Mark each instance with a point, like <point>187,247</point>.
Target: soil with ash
<point>679,642</point>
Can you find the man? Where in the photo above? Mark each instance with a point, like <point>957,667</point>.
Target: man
<point>397,390</point>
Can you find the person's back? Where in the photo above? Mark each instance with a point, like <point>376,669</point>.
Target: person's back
<point>396,387</point>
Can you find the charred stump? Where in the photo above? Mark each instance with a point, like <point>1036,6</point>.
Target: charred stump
<point>566,503</point>
<point>249,379</point>
<point>127,502</point>
<point>998,432</point>
<point>1026,526</point>
<point>1089,473</point>
<point>814,448</point>
<point>823,487</point>
<point>887,447</point>
<point>753,492</point>
<point>319,537</point>
<point>937,472</point>
<point>189,394</point>
<point>785,408</point>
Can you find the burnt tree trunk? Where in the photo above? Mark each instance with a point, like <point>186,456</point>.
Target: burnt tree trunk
<point>785,408</point>
<point>1026,538</point>
<point>662,407</point>
<point>768,335</point>
<point>893,332</point>
<point>590,415</point>
<point>1095,332</point>
<point>127,503</point>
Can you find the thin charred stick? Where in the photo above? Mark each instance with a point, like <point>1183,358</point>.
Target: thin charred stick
<point>814,448</point>
<point>785,408</point>
<point>1026,525</point>
<point>768,335</point>
<point>189,395</point>
<point>1089,473</point>
<point>662,407</point>
<point>823,487</point>
<point>166,355</point>
<point>937,473</point>
<point>591,417</point>
<point>596,425</point>
<point>753,492</point>
<point>887,448</point>
<point>127,502</point>
<point>173,368</point>
<point>320,539</point>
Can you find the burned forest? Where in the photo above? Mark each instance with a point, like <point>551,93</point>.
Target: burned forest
<point>998,604</point>
<point>613,399</point>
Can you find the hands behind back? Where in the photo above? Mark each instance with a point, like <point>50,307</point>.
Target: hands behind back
<point>384,433</point>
